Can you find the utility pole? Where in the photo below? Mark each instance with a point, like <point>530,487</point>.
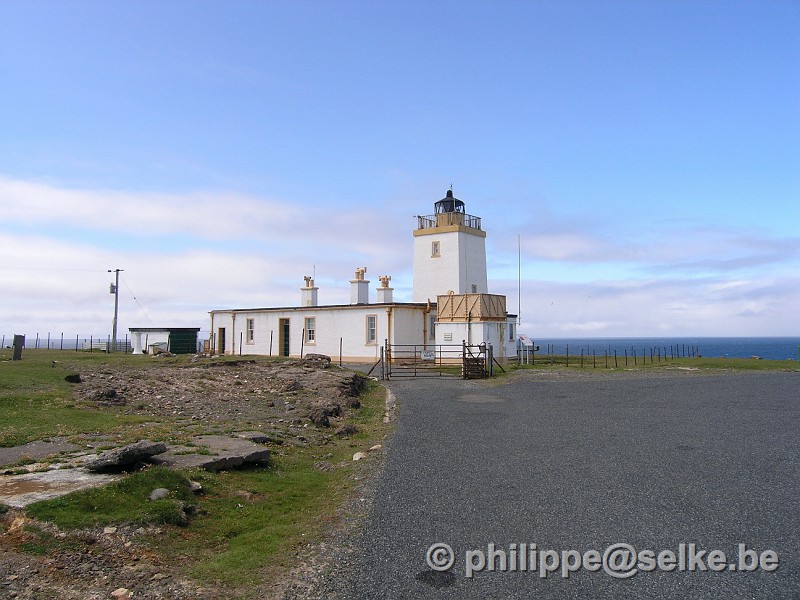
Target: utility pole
<point>115,290</point>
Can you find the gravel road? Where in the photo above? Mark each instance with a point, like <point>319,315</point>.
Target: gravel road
<point>580,462</point>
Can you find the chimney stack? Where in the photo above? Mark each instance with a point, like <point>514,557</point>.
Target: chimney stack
<point>385,292</point>
<point>308,294</point>
<point>359,288</point>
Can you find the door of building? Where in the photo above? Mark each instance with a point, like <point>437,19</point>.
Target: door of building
<point>284,337</point>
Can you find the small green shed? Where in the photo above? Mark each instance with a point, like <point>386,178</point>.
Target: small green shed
<point>178,340</point>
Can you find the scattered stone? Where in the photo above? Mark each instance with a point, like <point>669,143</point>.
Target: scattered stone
<point>318,360</point>
<point>359,455</point>
<point>109,530</point>
<point>375,447</point>
<point>345,430</point>
<point>73,378</point>
<point>320,414</point>
<point>195,487</point>
<point>121,593</point>
<point>159,494</point>
<point>126,456</point>
<point>257,437</point>
<point>323,465</point>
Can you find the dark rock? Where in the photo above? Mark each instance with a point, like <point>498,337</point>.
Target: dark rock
<point>126,456</point>
<point>73,378</point>
<point>319,417</point>
<point>346,430</point>
<point>320,414</point>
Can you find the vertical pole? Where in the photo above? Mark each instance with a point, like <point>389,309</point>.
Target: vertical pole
<point>91,343</point>
<point>37,341</point>
<point>615,359</point>
<point>116,305</point>
<point>270,341</point>
<point>77,343</point>
<point>241,340</point>
<point>62,340</point>
<point>340,350</point>
<point>302,342</point>
<point>48,340</point>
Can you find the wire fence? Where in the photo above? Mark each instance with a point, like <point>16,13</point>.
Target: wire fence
<point>608,357</point>
<point>77,342</point>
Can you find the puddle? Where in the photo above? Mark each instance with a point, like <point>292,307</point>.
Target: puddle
<point>20,490</point>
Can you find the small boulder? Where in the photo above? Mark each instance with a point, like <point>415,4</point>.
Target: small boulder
<point>159,494</point>
<point>359,455</point>
<point>72,378</point>
<point>345,430</point>
<point>126,456</point>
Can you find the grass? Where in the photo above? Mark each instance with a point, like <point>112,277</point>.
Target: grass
<point>599,362</point>
<point>125,501</point>
<point>36,403</point>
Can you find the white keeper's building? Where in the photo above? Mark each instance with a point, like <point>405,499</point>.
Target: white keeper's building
<point>451,304</point>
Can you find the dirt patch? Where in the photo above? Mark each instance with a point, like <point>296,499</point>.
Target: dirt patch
<point>275,403</point>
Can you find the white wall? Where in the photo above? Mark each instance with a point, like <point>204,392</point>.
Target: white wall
<point>332,324</point>
<point>495,333</point>
<point>461,263</point>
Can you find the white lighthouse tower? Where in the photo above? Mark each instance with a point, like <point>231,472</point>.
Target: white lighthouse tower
<point>449,252</point>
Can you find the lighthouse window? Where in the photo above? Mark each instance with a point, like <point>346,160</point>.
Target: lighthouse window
<point>435,250</point>
<point>372,329</point>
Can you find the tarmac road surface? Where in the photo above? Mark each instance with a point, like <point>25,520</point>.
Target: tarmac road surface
<point>575,465</point>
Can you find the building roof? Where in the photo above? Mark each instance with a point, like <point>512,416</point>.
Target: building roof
<point>329,307</point>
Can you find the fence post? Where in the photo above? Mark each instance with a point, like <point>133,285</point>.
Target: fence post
<point>18,344</point>
<point>270,341</point>
<point>340,350</point>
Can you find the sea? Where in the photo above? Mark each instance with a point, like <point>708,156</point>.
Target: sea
<point>768,348</point>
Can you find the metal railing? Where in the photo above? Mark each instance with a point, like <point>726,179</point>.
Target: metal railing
<point>446,219</point>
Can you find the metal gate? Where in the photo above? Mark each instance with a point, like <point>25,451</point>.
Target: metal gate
<point>464,360</point>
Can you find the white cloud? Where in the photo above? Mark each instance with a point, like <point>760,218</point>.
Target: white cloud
<point>240,251</point>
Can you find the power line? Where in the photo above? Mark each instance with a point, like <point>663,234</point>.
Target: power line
<point>135,299</point>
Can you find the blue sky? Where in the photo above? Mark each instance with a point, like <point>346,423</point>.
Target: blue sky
<point>647,154</point>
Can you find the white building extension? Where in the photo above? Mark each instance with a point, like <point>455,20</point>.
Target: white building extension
<point>449,271</point>
<point>353,331</point>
